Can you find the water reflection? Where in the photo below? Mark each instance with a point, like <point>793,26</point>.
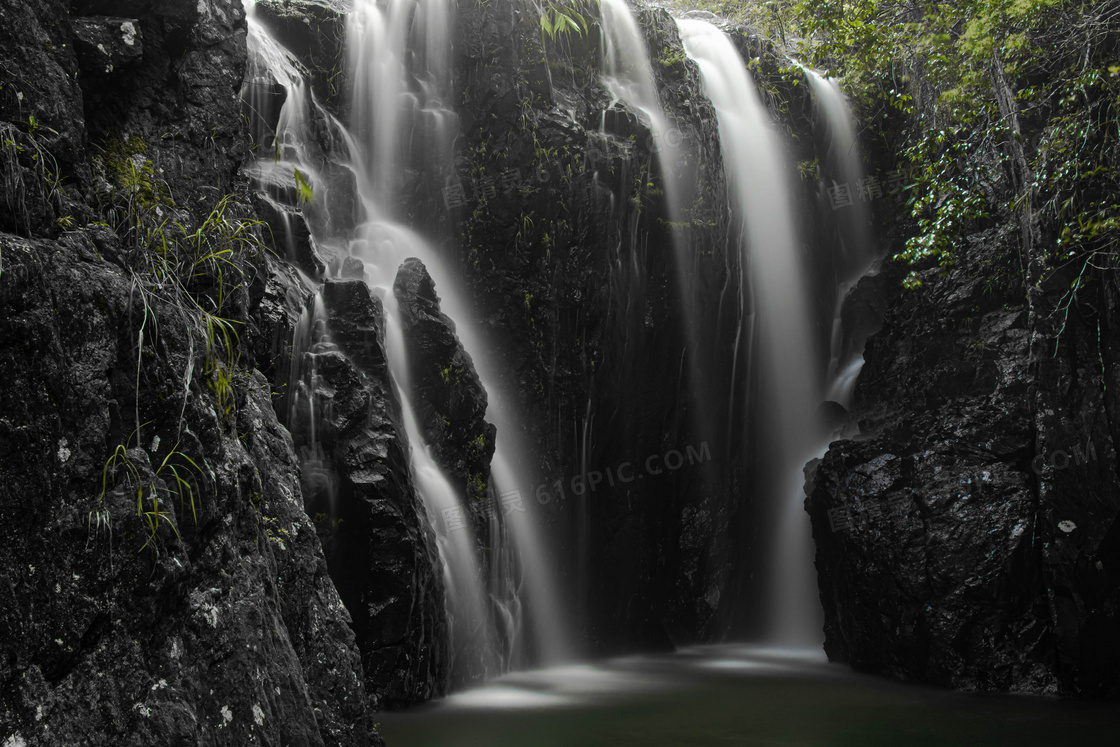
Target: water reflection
<point>737,695</point>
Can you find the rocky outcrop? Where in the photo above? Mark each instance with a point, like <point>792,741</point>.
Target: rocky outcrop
<point>448,395</point>
<point>40,114</point>
<point>314,30</point>
<point>164,583</point>
<point>168,125</point>
<point>968,535</point>
<point>357,483</point>
<point>104,45</point>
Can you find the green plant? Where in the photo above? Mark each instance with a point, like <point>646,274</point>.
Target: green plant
<point>303,188</point>
<point>23,153</point>
<point>562,17</point>
<point>176,468</point>
<point>178,465</point>
<point>477,486</point>
<point>980,90</point>
<point>149,512</point>
<point>195,273</point>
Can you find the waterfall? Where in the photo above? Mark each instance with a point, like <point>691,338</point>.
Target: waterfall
<point>400,129</point>
<point>843,171</point>
<point>759,174</point>
<point>628,76</point>
<point>473,633</point>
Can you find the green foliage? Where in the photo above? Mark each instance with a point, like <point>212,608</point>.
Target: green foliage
<point>564,17</point>
<point>451,375</point>
<point>186,274</point>
<point>133,176</point>
<point>303,187</point>
<point>23,154</point>
<point>807,169</point>
<point>177,468</point>
<point>477,486</point>
<point>197,273</point>
<point>987,89</point>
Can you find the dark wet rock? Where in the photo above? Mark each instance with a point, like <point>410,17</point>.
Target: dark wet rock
<point>352,267</point>
<point>105,45</point>
<point>314,31</point>
<point>221,626</point>
<point>968,535</point>
<point>861,314</point>
<point>173,15</point>
<point>275,315</point>
<point>40,114</point>
<point>357,484</point>
<point>292,235</point>
<point>449,398</point>
<point>832,414</point>
<point>174,113</point>
<point>225,630</point>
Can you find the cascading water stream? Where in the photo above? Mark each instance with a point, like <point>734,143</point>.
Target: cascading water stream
<point>757,170</point>
<point>856,255</point>
<point>467,601</point>
<point>395,106</point>
<point>399,127</point>
<point>628,76</point>
<point>627,72</point>
<point>844,171</point>
<point>383,246</point>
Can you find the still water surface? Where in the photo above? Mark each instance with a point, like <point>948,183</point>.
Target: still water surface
<point>738,695</point>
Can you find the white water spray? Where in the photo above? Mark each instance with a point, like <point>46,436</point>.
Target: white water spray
<point>397,92</point>
<point>759,173</point>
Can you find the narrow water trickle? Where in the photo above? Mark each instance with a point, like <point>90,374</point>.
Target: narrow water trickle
<point>628,76</point>
<point>855,256</point>
<point>843,170</point>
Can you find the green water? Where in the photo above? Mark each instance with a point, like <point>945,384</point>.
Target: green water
<point>738,696</point>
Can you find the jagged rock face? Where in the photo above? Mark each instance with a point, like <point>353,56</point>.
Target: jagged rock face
<point>276,306</point>
<point>225,630</point>
<point>165,584</point>
<point>40,85</point>
<point>357,483</point>
<point>105,44</point>
<point>314,31</point>
<point>967,537</point>
<point>450,400</point>
<point>175,109</point>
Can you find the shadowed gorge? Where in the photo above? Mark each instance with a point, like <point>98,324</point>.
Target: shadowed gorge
<point>443,372</point>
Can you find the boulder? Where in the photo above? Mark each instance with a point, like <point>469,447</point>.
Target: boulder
<point>447,394</point>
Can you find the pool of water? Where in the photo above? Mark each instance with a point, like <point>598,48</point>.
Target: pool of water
<point>738,695</point>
